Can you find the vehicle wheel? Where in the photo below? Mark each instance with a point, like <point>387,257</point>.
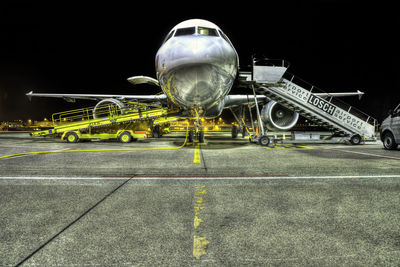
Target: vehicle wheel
<point>156,131</point>
<point>389,142</point>
<point>244,132</point>
<point>355,139</point>
<point>125,137</point>
<point>264,140</point>
<point>234,131</point>
<point>71,137</point>
<point>201,137</point>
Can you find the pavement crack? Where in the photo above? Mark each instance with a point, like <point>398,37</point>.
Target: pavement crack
<point>203,160</point>
<point>72,223</point>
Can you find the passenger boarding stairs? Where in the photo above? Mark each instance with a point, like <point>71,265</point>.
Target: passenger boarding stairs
<point>272,80</point>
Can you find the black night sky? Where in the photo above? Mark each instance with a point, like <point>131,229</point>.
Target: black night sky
<point>73,48</point>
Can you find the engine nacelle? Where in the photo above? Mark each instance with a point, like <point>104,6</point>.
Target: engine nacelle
<point>277,117</point>
<point>215,110</point>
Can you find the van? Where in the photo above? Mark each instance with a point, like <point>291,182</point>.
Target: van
<point>390,129</point>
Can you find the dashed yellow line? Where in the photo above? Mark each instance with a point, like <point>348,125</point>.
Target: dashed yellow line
<point>197,221</point>
<point>200,243</point>
<point>199,246</point>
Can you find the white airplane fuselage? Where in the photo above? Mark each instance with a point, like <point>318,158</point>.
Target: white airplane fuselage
<point>196,67</point>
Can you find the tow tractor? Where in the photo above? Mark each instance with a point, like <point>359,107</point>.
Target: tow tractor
<point>107,122</point>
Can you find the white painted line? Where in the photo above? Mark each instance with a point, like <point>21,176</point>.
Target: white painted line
<point>363,153</point>
<point>198,178</point>
<point>58,178</point>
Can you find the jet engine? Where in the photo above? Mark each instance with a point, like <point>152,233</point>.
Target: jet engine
<point>277,117</point>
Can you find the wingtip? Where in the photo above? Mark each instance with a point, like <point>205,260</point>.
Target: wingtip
<point>29,95</point>
<point>360,94</point>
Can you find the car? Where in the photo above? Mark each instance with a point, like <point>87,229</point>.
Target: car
<point>390,129</point>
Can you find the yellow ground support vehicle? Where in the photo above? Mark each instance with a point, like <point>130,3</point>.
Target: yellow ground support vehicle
<point>106,122</point>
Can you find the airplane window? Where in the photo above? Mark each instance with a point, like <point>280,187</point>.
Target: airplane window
<point>185,31</point>
<point>207,31</point>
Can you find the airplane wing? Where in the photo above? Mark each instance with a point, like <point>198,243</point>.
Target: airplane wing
<point>238,100</point>
<point>73,97</point>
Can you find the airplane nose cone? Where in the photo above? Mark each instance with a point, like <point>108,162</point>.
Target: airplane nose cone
<point>199,71</point>
<point>200,85</point>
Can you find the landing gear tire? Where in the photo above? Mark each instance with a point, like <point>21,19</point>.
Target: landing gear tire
<point>125,137</point>
<point>191,136</point>
<point>388,141</point>
<point>355,139</point>
<point>263,141</point>
<point>71,137</point>
<point>201,137</point>
<point>156,131</point>
<point>234,131</point>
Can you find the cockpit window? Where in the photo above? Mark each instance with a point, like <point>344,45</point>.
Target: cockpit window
<point>168,36</point>
<point>225,37</point>
<point>185,31</point>
<point>207,31</point>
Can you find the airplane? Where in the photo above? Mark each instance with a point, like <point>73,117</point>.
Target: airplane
<point>196,67</point>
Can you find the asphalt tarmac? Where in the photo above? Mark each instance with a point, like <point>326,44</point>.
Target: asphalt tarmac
<point>224,203</point>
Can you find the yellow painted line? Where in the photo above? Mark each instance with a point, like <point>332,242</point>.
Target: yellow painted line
<point>287,146</point>
<point>196,222</point>
<point>97,150</point>
<point>200,244</point>
<point>198,208</point>
<point>306,147</point>
<point>200,200</point>
<point>197,158</point>
<point>203,192</point>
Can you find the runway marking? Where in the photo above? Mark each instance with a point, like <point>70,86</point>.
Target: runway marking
<point>32,154</point>
<point>96,150</point>
<point>19,156</point>
<point>197,157</point>
<point>286,146</point>
<point>363,153</point>
<point>197,221</point>
<point>199,178</point>
<point>200,243</point>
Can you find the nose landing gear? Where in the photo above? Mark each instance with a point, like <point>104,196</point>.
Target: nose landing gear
<point>196,134</point>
